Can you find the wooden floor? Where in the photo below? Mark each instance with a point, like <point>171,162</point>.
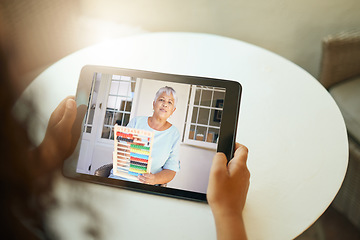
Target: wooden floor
<point>332,225</point>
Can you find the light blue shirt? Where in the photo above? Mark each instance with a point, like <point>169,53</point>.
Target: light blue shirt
<point>165,149</point>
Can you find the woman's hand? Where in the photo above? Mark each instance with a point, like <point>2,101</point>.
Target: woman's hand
<point>148,178</point>
<point>227,191</point>
<point>162,177</point>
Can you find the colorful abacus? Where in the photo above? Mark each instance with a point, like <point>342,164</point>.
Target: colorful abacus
<point>132,152</point>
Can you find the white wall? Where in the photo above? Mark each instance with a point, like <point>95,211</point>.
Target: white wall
<point>147,92</point>
<point>101,156</point>
<point>195,166</point>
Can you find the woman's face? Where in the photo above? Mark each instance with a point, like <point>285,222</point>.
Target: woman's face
<point>164,106</point>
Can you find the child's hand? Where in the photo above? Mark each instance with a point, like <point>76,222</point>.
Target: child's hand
<point>227,191</point>
<point>228,184</point>
<point>59,141</point>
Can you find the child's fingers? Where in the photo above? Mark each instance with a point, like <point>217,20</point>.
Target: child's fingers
<point>69,116</point>
<point>58,113</point>
<point>240,149</point>
<point>238,163</point>
<point>237,145</point>
<point>218,173</point>
<point>219,165</point>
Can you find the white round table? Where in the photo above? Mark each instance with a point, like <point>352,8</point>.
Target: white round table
<point>298,150</point>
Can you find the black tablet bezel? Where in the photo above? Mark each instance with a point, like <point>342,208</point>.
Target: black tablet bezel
<point>227,136</point>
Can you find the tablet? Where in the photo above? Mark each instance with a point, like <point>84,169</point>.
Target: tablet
<point>152,132</point>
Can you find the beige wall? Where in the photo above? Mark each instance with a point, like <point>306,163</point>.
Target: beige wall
<point>292,29</point>
<point>48,30</point>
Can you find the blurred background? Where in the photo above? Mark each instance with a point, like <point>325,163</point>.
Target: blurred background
<point>45,31</point>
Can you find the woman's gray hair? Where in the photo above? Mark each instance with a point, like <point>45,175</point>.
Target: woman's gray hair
<point>168,91</point>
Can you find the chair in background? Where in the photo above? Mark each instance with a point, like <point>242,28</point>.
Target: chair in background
<point>340,74</point>
<point>104,171</point>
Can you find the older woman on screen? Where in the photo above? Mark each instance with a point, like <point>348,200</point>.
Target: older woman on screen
<point>165,153</point>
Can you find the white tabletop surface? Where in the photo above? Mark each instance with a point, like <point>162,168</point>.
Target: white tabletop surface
<point>295,133</point>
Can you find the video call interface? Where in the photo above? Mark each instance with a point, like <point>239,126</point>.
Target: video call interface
<point>118,141</point>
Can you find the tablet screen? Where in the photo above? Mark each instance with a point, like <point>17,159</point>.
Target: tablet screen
<point>151,130</point>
